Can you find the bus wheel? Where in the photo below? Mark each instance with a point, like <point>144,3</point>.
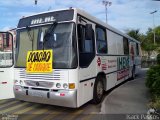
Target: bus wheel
<point>98,90</point>
<point>133,73</point>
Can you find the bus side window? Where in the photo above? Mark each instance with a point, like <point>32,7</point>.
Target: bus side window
<point>125,46</point>
<point>137,49</point>
<point>86,47</point>
<point>101,40</point>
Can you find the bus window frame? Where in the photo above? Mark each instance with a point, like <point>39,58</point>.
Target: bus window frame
<point>125,52</point>
<point>105,41</point>
<point>73,44</point>
<point>9,66</point>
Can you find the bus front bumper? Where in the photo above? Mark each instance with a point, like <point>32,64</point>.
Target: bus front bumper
<point>66,98</point>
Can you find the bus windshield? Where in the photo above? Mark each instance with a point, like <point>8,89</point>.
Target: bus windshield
<point>60,41</point>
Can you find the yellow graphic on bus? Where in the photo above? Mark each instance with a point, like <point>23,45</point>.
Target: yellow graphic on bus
<point>39,61</point>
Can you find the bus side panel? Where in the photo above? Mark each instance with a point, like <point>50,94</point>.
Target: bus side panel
<point>6,83</point>
<point>109,67</point>
<point>86,78</point>
<point>111,80</point>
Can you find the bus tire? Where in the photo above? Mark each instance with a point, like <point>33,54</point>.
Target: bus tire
<point>133,73</point>
<point>98,90</point>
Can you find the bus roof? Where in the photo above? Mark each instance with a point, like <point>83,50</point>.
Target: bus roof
<point>90,17</point>
<point>96,20</point>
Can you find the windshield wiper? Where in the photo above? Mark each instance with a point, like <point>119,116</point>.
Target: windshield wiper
<point>29,35</point>
<point>49,32</point>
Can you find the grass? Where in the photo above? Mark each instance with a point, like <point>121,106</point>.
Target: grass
<point>155,102</point>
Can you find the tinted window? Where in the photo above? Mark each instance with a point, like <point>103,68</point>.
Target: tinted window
<point>125,46</point>
<point>85,46</point>
<point>137,49</point>
<point>101,40</point>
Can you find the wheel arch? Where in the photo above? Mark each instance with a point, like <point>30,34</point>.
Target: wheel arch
<point>103,75</point>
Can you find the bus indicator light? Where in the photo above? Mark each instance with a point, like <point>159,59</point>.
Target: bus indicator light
<point>71,85</point>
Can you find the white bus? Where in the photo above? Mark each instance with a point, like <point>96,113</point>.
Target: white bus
<point>89,57</point>
<point>6,65</point>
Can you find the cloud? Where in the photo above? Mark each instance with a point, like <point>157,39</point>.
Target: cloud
<point>122,14</point>
<point>132,14</point>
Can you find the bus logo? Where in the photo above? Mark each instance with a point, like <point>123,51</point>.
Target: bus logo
<point>37,83</point>
<point>99,61</point>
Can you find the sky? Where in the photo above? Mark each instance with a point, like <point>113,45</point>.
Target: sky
<point>122,14</point>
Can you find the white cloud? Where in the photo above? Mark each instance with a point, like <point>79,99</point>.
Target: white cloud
<point>122,14</point>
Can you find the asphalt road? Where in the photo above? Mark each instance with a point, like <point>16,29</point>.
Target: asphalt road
<point>130,97</point>
<point>34,111</point>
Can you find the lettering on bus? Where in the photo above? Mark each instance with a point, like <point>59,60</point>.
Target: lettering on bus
<point>39,61</point>
<point>123,67</point>
<point>43,20</point>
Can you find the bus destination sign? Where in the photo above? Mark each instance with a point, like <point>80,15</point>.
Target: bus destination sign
<point>43,20</point>
<point>46,18</point>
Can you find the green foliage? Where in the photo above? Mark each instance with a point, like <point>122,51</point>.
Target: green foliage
<point>147,39</point>
<point>155,103</point>
<point>135,34</point>
<point>147,46</point>
<point>153,83</point>
<point>153,80</point>
<point>158,59</point>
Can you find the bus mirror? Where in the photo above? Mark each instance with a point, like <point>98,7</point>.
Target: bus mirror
<point>89,31</point>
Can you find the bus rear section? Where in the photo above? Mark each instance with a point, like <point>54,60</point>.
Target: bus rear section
<point>6,65</point>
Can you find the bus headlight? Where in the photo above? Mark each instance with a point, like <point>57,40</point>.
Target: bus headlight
<point>58,85</point>
<point>65,85</point>
<point>21,82</point>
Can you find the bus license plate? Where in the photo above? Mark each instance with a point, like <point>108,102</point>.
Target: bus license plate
<point>36,93</point>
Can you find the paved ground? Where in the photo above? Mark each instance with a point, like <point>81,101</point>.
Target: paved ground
<point>130,98</point>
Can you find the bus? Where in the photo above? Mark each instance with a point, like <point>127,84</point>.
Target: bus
<point>68,57</point>
<point>6,65</point>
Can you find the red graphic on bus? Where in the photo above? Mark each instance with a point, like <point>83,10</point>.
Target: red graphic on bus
<point>99,61</point>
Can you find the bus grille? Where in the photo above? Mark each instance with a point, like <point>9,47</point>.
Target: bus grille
<point>55,75</point>
<point>39,83</point>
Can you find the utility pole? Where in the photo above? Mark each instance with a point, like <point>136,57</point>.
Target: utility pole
<point>106,4</point>
<point>35,2</point>
<point>154,26</point>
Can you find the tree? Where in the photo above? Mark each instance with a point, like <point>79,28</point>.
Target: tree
<point>135,34</point>
<point>146,40</point>
<point>157,35</point>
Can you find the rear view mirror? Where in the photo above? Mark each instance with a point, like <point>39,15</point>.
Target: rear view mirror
<point>89,31</point>
<point>6,39</point>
